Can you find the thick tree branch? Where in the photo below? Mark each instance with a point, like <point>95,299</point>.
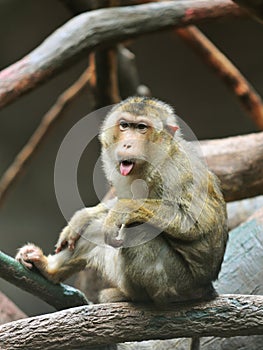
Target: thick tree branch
<point>225,69</point>
<point>59,296</point>
<point>227,315</point>
<point>238,162</point>
<point>240,211</point>
<point>103,28</point>
<point>46,124</point>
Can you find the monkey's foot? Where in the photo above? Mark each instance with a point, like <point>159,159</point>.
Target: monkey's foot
<point>31,255</point>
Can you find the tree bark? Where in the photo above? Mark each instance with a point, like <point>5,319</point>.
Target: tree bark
<point>102,28</point>
<point>238,162</point>
<point>240,211</point>
<point>227,315</point>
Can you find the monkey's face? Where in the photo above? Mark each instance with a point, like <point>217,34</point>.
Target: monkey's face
<point>127,143</point>
<point>133,135</point>
<point>136,138</point>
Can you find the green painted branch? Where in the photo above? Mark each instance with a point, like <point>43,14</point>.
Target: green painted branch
<point>227,315</point>
<point>102,28</point>
<point>60,296</point>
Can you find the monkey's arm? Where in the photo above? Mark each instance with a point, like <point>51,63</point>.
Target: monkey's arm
<point>173,218</point>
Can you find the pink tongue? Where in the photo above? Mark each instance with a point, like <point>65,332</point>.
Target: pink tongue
<point>125,169</point>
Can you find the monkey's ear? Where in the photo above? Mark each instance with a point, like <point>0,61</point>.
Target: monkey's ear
<point>172,128</point>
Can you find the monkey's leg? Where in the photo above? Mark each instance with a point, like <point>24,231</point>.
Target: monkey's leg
<point>72,248</point>
<point>112,295</point>
<point>55,268</point>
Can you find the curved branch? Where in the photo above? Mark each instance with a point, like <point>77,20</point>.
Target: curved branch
<point>59,296</point>
<point>225,69</point>
<point>47,122</point>
<point>102,28</point>
<point>227,315</point>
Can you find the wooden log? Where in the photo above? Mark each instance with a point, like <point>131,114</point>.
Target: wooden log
<point>240,211</point>
<point>238,162</point>
<point>102,28</point>
<point>227,315</point>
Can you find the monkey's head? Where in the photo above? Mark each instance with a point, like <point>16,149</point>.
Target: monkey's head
<point>131,129</point>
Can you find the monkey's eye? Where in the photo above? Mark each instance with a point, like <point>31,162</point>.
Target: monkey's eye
<point>123,125</point>
<point>142,127</point>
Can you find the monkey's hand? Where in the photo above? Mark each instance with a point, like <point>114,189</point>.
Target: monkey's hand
<point>112,234</point>
<point>67,239</point>
<point>125,213</point>
<point>31,255</point>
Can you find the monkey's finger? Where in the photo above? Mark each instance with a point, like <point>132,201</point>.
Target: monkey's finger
<point>72,242</point>
<point>33,256</point>
<point>25,263</point>
<point>60,246</point>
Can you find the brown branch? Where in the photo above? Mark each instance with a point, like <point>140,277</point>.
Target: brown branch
<point>227,315</point>
<point>240,211</point>
<point>238,162</point>
<point>254,7</point>
<point>106,63</point>
<point>102,28</point>
<point>225,69</point>
<point>9,311</point>
<point>41,132</point>
<point>107,89</point>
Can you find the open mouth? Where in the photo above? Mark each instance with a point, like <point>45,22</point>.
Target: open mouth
<point>126,167</point>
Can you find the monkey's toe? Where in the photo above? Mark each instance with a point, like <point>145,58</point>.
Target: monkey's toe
<point>28,255</point>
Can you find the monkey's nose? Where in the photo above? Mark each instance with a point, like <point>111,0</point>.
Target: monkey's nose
<point>127,146</point>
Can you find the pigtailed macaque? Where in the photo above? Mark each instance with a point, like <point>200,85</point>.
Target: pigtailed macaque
<point>163,237</point>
